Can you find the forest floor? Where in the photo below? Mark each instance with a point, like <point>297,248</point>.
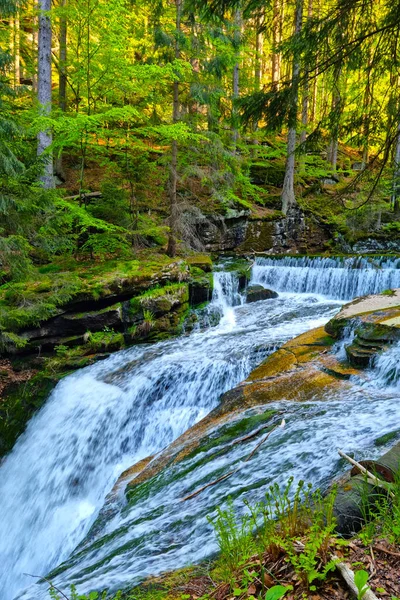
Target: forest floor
<point>377,557</point>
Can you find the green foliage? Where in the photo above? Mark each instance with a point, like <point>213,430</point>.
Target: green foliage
<point>277,591</point>
<point>278,522</point>
<point>55,594</point>
<point>361,579</point>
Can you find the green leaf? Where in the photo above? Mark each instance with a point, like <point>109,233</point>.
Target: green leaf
<point>277,591</point>
<point>361,579</point>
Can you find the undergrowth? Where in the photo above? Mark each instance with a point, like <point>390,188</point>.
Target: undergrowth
<point>283,546</point>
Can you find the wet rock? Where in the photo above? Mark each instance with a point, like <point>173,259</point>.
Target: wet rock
<point>258,292</point>
<point>375,321</point>
<point>330,181</point>
<point>355,495</point>
<point>375,245</point>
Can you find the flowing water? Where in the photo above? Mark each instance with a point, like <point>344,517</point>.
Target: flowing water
<point>104,418</point>
<point>341,278</point>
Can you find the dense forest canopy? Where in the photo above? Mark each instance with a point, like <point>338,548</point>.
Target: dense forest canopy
<point>122,123</point>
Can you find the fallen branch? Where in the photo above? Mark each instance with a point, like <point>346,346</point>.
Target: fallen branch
<point>348,576</point>
<point>50,584</point>
<point>372,479</point>
<point>212,483</point>
<point>391,552</point>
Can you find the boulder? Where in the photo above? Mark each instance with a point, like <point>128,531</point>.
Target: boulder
<point>258,292</point>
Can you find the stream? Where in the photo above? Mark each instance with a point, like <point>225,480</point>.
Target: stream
<point>103,419</point>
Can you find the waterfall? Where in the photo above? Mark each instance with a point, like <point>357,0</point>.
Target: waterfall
<point>104,418</point>
<point>226,296</point>
<point>339,278</point>
<point>386,368</point>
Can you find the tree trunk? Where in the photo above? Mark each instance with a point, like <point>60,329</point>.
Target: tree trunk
<point>396,177</point>
<point>62,80</point>
<point>259,49</point>
<point>35,44</point>
<point>336,114</point>
<point>16,42</point>
<point>276,40</point>
<point>236,73</point>
<point>44,90</point>
<point>306,95</point>
<point>366,116</point>
<point>288,196</point>
<point>173,180</point>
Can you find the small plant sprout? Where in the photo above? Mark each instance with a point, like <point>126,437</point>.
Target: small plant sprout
<point>360,580</point>
<point>277,592</point>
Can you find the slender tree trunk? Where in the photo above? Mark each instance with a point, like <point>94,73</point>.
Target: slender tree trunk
<point>35,45</point>
<point>336,114</point>
<point>16,50</point>
<point>173,180</point>
<point>259,50</point>
<point>366,116</point>
<point>44,90</point>
<point>396,176</point>
<point>306,95</point>
<point>277,18</point>
<point>236,74</point>
<point>288,196</point>
<point>62,79</point>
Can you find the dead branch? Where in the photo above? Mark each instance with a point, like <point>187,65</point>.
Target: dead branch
<point>211,483</point>
<point>371,477</point>
<point>50,584</point>
<point>386,551</point>
<point>348,576</point>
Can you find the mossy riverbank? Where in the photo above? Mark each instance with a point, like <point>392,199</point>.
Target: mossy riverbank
<point>68,318</point>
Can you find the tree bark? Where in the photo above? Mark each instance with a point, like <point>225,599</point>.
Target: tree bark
<point>44,90</point>
<point>173,180</point>
<point>288,196</point>
<point>236,74</point>
<point>396,176</point>
<point>259,49</point>
<point>62,80</point>
<point>277,18</point>
<point>16,42</point>
<point>336,114</point>
<point>306,94</point>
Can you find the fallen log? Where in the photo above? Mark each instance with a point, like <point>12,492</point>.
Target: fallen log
<point>361,487</point>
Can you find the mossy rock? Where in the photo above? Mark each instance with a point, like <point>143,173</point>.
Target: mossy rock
<point>201,261</point>
<point>18,404</point>
<point>259,237</point>
<point>256,293</point>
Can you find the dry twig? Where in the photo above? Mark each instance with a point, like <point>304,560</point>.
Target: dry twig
<point>211,483</point>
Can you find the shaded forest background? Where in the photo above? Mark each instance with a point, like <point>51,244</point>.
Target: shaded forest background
<point>124,124</point>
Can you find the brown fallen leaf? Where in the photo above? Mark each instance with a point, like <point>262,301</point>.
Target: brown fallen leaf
<point>268,580</point>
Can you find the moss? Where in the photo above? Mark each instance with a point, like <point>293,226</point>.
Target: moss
<point>29,303</point>
<point>387,437</point>
<point>201,261</point>
<point>259,236</point>
<point>19,402</point>
<point>105,341</point>
<point>232,431</point>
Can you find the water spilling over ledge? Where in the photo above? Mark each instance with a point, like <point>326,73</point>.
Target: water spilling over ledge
<point>105,418</point>
<point>340,278</point>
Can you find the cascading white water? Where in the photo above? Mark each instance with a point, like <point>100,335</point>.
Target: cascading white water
<point>104,418</point>
<point>386,371</point>
<point>341,278</point>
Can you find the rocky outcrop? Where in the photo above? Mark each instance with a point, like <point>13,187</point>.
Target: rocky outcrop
<point>304,368</point>
<point>151,303</point>
<point>264,230</point>
<point>254,293</point>
<point>375,322</point>
<point>354,493</point>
